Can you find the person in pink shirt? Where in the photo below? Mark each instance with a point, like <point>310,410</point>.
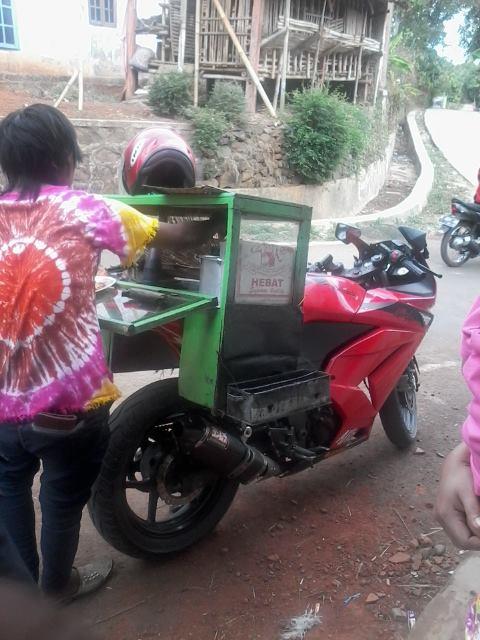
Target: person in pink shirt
<point>56,388</point>
<point>458,499</point>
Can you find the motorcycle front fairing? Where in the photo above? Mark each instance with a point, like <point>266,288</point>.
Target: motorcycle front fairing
<point>369,337</point>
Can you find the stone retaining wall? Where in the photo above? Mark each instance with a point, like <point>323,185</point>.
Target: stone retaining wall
<point>102,143</point>
<point>250,159</point>
<point>343,196</point>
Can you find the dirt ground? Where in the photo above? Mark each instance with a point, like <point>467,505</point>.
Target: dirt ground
<point>285,546</point>
<point>101,104</point>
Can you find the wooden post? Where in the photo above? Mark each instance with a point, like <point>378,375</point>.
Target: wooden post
<point>359,67</point>
<point>381,66</point>
<point>182,35</point>
<point>277,83</point>
<point>283,84</point>
<point>83,23</point>
<point>80,86</point>
<point>196,73</point>
<point>255,38</point>
<point>130,45</point>
<point>73,77</point>
<point>319,43</point>
<point>250,70</point>
<point>359,74</point>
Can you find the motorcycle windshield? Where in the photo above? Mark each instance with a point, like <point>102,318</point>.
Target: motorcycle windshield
<point>379,232</point>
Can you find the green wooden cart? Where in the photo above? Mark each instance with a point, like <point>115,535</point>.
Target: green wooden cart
<point>255,312</point>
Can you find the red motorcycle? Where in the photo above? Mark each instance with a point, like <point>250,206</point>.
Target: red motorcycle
<point>362,327</point>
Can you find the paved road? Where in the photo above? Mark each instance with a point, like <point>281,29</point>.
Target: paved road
<point>457,134</point>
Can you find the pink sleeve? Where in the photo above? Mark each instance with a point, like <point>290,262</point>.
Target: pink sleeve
<point>471,374</point>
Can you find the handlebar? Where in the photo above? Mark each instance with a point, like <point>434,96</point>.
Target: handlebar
<point>413,267</point>
<point>378,264</point>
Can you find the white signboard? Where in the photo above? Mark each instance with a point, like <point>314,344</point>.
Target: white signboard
<point>264,273</point>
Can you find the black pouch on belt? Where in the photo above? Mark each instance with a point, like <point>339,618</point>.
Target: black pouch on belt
<point>55,421</point>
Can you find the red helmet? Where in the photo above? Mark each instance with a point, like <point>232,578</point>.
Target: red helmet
<point>157,157</point>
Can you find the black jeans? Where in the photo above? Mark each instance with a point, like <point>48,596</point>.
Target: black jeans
<point>70,462</point>
<point>12,566</point>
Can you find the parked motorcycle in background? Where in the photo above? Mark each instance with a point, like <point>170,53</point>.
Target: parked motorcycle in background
<point>461,231</point>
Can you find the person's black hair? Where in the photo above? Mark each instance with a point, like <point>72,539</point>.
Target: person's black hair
<point>37,143</point>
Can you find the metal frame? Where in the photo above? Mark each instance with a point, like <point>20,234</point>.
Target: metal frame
<point>4,45</point>
<point>102,22</point>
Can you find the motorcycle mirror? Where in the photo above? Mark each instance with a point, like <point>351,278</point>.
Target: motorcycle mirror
<point>346,234</point>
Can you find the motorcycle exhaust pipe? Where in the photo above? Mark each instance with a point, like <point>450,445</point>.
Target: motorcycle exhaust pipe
<point>228,455</point>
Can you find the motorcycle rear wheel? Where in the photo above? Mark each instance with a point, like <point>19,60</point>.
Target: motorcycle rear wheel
<point>458,258</point>
<point>139,466</point>
<point>399,413</point>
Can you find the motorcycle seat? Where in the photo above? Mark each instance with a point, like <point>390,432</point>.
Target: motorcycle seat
<point>468,205</point>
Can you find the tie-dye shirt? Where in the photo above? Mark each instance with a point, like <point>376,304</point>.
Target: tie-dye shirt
<point>51,354</point>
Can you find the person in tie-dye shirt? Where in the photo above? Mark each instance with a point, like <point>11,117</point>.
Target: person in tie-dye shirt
<point>51,355</point>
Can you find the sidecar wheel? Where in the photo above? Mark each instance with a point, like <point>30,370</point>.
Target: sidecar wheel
<point>399,413</point>
<point>149,499</point>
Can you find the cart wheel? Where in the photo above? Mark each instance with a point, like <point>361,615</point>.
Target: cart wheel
<point>149,498</point>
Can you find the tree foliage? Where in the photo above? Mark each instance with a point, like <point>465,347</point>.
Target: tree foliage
<point>421,22</point>
<point>420,28</point>
<point>471,29</point>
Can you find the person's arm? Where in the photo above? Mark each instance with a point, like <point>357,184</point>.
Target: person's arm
<point>458,508</point>
<point>127,232</point>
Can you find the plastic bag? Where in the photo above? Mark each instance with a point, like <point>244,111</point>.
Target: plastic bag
<point>472,623</point>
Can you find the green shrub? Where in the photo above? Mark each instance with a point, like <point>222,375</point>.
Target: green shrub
<point>322,131</point>
<point>358,127</point>
<point>379,129</point>
<point>169,93</point>
<point>209,128</point>
<point>228,98</point>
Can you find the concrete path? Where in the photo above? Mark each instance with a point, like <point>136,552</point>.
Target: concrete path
<point>456,134</point>
<point>444,617</point>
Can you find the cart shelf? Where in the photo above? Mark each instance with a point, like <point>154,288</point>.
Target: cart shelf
<point>129,308</point>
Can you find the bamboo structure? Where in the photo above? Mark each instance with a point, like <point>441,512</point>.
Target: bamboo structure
<point>283,82</point>
<point>255,38</point>
<point>243,56</point>
<point>269,44</point>
<point>182,38</point>
<point>196,73</point>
